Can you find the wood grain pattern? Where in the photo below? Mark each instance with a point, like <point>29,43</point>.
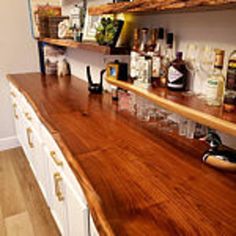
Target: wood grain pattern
<point>135,182</point>
<point>190,107</point>
<point>89,46</point>
<point>154,6</point>
<point>23,210</point>
<point>19,224</point>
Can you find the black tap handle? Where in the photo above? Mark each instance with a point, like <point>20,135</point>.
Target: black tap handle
<point>101,77</point>
<point>89,75</point>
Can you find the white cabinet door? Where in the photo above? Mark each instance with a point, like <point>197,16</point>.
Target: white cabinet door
<point>17,119</point>
<point>38,160</point>
<point>57,190</point>
<point>77,213</point>
<point>93,230</point>
<point>27,136</point>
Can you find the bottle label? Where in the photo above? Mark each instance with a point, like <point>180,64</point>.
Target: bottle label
<point>174,75</point>
<point>134,64</point>
<point>212,89</point>
<point>156,67</point>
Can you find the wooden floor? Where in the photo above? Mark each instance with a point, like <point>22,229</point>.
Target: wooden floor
<point>23,211</point>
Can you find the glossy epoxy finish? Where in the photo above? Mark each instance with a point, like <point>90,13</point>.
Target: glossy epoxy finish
<point>134,186</point>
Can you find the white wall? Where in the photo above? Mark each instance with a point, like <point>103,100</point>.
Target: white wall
<point>18,53</point>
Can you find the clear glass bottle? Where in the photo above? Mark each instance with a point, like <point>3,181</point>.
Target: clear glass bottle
<point>230,94</point>
<point>168,57</point>
<point>216,81</point>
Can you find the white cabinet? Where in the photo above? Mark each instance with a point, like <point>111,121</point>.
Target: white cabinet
<point>58,184</point>
<point>77,213</point>
<point>58,197</point>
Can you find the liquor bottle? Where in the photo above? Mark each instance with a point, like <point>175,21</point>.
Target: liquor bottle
<point>216,81</point>
<point>157,57</point>
<point>144,61</point>
<point>168,57</point>
<point>177,74</point>
<point>160,44</point>
<point>151,44</point>
<point>134,55</point>
<point>143,41</point>
<point>230,94</point>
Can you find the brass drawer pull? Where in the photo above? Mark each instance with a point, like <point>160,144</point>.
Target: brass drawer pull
<point>54,157</point>
<point>58,192</point>
<point>29,132</point>
<point>15,113</point>
<point>28,117</point>
<point>13,94</point>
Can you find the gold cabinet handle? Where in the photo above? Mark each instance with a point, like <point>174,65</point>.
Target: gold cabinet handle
<point>15,113</point>
<point>58,192</point>
<point>29,133</point>
<point>28,117</point>
<point>13,94</point>
<point>54,157</point>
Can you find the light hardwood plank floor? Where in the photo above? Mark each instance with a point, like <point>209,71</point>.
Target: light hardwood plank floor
<point>23,210</point>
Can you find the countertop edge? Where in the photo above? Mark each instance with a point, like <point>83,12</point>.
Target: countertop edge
<point>93,199</point>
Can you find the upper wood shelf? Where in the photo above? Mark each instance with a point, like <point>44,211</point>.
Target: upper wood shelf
<point>154,6</point>
<point>190,107</point>
<point>89,46</point>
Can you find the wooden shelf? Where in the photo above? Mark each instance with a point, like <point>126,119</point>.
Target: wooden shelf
<point>154,6</point>
<point>89,46</point>
<point>190,107</point>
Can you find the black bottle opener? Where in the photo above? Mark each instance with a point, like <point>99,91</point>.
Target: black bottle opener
<point>96,88</point>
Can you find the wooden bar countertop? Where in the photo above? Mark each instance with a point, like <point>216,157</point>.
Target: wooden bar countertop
<point>134,184</point>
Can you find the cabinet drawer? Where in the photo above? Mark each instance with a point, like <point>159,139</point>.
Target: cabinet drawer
<point>29,114</point>
<point>15,93</point>
<point>59,161</point>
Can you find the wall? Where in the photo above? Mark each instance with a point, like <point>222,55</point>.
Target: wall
<point>213,28</point>
<point>18,53</point>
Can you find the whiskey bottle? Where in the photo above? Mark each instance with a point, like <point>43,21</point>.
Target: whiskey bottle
<point>177,74</point>
<point>134,55</point>
<point>230,93</point>
<point>157,57</point>
<point>151,44</point>
<point>216,81</point>
<point>143,41</point>
<point>160,44</point>
<point>168,57</point>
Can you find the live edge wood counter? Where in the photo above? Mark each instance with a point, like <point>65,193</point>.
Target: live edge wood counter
<point>133,184</point>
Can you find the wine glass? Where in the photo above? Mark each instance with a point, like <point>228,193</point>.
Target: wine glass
<point>206,62</point>
<point>193,66</point>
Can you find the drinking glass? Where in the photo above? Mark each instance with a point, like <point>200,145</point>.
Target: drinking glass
<point>182,126</point>
<point>206,62</point>
<point>190,129</point>
<point>193,66</point>
<point>142,109</point>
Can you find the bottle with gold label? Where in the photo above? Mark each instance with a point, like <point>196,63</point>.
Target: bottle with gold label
<point>216,81</point>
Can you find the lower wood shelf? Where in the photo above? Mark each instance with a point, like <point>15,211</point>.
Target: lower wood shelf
<point>190,107</point>
<point>89,46</point>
